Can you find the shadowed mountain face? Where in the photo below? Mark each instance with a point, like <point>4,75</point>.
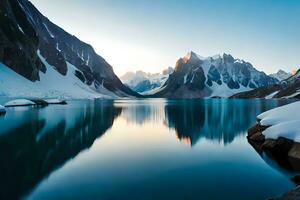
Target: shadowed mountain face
<point>52,137</point>
<point>18,41</point>
<point>221,76</point>
<point>288,88</point>
<point>24,30</point>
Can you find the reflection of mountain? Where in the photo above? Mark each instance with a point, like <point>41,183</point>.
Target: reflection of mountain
<point>142,111</point>
<point>218,120</point>
<point>31,151</point>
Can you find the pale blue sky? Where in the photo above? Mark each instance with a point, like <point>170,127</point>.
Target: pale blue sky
<point>151,35</point>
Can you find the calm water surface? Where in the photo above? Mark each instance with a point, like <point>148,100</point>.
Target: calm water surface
<point>127,149</point>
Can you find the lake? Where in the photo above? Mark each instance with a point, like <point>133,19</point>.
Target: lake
<point>137,149</point>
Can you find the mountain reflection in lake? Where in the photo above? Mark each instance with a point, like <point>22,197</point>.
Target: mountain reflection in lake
<point>136,150</point>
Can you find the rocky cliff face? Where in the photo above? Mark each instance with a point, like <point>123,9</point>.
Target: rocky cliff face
<point>18,41</point>
<point>222,76</point>
<point>24,31</point>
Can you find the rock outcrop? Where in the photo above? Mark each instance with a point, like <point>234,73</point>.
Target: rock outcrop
<point>284,151</point>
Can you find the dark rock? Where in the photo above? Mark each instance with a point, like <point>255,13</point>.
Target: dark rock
<point>293,194</point>
<point>284,151</point>
<point>39,102</point>
<point>80,75</point>
<point>18,41</point>
<point>257,128</point>
<point>232,84</point>
<point>257,137</point>
<point>296,179</point>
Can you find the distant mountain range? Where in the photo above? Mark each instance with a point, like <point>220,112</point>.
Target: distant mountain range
<point>43,53</point>
<point>218,76</point>
<point>281,75</point>
<point>288,88</point>
<point>146,83</point>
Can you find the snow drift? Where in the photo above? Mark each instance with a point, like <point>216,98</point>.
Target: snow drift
<point>283,121</point>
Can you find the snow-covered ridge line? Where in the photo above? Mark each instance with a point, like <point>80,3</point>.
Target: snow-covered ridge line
<point>215,76</point>
<point>145,83</point>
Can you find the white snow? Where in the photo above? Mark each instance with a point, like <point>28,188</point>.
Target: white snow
<point>50,33</point>
<point>270,96</point>
<point>281,114</point>
<point>54,101</point>
<point>132,79</point>
<point>284,122</point>
<point>289,130</point>
<point>57,48</point>
<point>185,78</point>
<point>292,95</point>
<point>281,75</point>
<point>2,109</point>
<point>19,102</point>
<point>224,91</point>
<point>88,60</point>
<point>19,27</point>
<point>51,85</point>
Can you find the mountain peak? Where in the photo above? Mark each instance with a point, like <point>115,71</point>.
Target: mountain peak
<point>281,75</point>
<point>191,56</point>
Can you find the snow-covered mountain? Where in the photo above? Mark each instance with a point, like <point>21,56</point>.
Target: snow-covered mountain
<point>145,83</point>
<point>217,76</point>
<point>288,88</point>
<point>40,51</point>
<point>281,75</point>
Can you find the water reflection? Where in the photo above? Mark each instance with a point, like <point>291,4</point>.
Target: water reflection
<point>142,111</point>
<point>45,139</point>
<point>36,141</point>
<point>216,120</point>
<point>212,119</point>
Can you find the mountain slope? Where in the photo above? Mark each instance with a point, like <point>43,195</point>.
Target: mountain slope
<point>24,31</point>
<point>218,76</point>
<point>288,88</point>
<point>143,82</point>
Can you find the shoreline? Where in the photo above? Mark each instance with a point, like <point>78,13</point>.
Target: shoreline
<point>284,151</point>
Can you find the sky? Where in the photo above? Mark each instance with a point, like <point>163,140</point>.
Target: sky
<point>150,35</point>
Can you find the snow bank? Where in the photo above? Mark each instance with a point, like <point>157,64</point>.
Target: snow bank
<point>289,130</point>
<point>281,114</point>
<point>2,109</point>
<point>284,122</point>
<point>270,96</point>
<point>55,101</point>
<point>19,102</point>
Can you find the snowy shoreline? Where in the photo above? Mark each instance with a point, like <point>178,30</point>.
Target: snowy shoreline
<point>282,122</point>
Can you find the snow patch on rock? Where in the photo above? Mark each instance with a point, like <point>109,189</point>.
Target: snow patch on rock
<point>284,122</point>
<point>19,102</point>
